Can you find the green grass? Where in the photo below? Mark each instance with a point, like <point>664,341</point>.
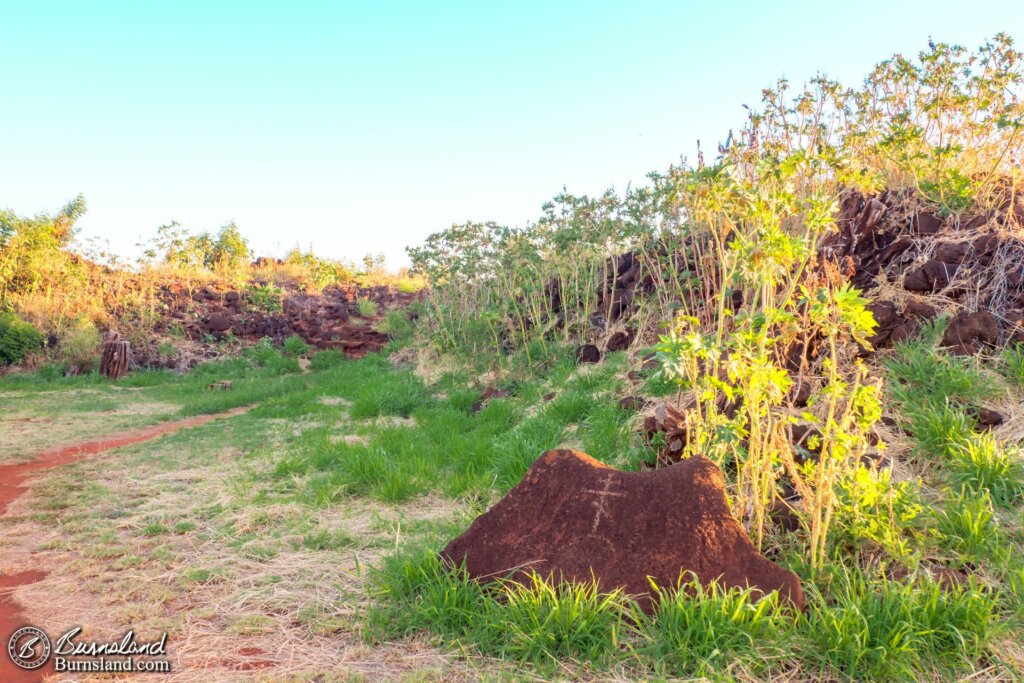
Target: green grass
<point>1011,364</point>
<point>970,531</point>
<point>854,628</point>
<point>705,630</point>
<point>940,429</point>
<point>366,308</point>
<point>890,631</point>
<point>923,373</point>
<point>440,445</point>
<point>260,373</point>
<point>397,325</point>
<point>982,465</point>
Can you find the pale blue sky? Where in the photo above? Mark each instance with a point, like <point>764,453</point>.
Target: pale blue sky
<point>357,127</point>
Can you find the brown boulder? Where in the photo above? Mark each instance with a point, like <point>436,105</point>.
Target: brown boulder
<point>966,330</point>
<point>217,322</point>
<point>926,224</point>
<point>952,252</point>
<point>588,353</point>
<point>906,329</point>
<point>619,341</point>
<point>633,403</point>
<point>920,309</point>
<point>986,418</point>
<point>931,277</point>
<point>489,393</point>
<point>573,518</point>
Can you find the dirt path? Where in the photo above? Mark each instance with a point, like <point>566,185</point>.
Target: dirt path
<point>12,478</point>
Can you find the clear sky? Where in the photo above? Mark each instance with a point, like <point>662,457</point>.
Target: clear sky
<point>358,127</point>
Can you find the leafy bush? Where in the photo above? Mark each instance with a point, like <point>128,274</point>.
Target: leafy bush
<point>397,325</point>
<point>227,251</point>
<point>80,345</point>
<point>17,338</point>
<point>875,512</point>
<point>320,272</point>
<point>265,298</point>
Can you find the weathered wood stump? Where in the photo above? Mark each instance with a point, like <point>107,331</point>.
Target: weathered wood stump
<point>117,353</point>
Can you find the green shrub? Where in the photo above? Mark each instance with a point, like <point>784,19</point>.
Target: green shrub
<point>876,512</point>
<point>366,308</point>
<point>324,360</point>
<point>295,346</point>
<point>265,298</point>
<point>17,338</point>
<point>397,325</point>
<point>80,345</point>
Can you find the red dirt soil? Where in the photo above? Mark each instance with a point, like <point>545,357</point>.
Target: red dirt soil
<point>12,477</point>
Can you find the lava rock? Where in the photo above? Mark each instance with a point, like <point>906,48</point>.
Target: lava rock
<point>920,309</point>
<point>800,394</point>
<point>489,393</point>
<point>588,353</point>
<point>218,322</point>
<point>967,330</point>
<point>633,403</point>
<point>926,224</point>
<point>986,418</point>
<point>952,252</point>
<point>573,518</point>
<point>933,276</point>
<point>619,341</point>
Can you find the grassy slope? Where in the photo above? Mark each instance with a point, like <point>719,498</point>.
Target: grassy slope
<point>309,524</point>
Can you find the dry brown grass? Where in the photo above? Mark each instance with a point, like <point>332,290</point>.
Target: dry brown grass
<point>239,594</point>
<point>25,431</point>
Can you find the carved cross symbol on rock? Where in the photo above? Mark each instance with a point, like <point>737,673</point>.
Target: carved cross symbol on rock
<point>602,495</point>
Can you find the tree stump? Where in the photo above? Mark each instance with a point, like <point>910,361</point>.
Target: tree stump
<point>116,355</point>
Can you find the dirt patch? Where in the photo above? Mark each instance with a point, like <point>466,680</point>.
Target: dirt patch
<point>350,439</point>
<point>390,421</point>
<point>12,478</point>
<point>24,435</point>
<point>12,475</point>
<point>11,620</point>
